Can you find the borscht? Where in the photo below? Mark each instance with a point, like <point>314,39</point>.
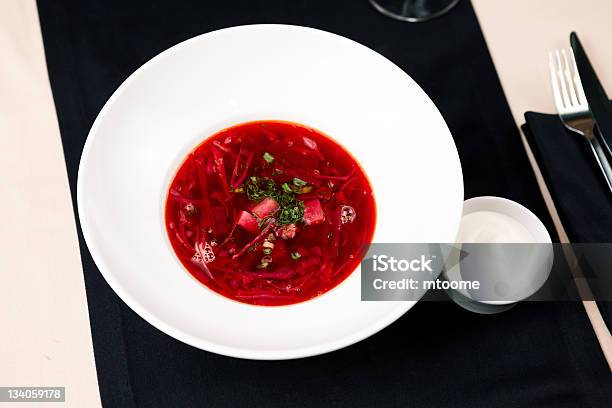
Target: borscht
<point>270,213</point>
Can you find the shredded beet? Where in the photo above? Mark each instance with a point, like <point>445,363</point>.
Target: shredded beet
<point>283,273</point>
<point>341,178</point>
<point>264,232</point>
<point>205,197</point>
<point>241,166</point>
<point>217,144</point>
<point>174,196</point>
<point>183,242</point>
<point>220,169</point>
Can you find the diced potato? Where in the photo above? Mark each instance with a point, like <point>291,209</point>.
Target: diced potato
<point>267,207</point>
<point>248,222</point>
<point>313,212</point>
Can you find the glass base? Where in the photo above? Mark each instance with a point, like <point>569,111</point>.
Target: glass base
<point>413,11</point>
<point>477,307</point>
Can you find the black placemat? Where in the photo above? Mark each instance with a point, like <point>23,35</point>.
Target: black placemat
<point>437,354</point>
<point>581,195</point>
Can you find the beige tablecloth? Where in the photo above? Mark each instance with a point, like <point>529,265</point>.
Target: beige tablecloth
<point>44,326</point>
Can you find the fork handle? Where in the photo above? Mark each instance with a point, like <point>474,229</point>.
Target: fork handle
<point>602,160</point>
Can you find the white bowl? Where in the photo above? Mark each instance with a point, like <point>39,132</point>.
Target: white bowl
<point>523,276</point>
<point>522,270</point>
<point>215,80</point>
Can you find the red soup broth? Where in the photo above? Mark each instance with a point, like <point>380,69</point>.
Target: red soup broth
<point>270,213</point>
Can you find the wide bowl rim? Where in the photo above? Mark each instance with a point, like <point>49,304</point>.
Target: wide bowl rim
<point>135,305</point>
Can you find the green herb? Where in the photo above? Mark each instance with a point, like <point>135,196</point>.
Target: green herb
<point>295,255</point>
<point>262,221</point>
<point>258,188</point>
<point>292,214</point>
<point>299,182</point>
<point>268,157</point>
<point>285,199</point>
<point>267,251</point>
<point>291,209</point>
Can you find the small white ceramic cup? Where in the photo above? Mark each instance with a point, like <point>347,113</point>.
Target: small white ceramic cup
<point>507,272</point>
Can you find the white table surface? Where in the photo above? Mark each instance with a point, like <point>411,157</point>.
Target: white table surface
<point>46,339</point>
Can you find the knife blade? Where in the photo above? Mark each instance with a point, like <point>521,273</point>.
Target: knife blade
<point>598,101</point>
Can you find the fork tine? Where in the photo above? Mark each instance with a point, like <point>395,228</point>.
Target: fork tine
<point>555,83</point>
<point>559,71</point>
<point>568,79</point>
<point>577,82</point>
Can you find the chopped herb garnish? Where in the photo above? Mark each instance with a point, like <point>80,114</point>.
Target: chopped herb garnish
<point>258,188</point>
<point>291,209</point>
<point>299,182</point>
<point>262,221</point>
<point>285,199</point>
<point>291,215</point>
<point>286,187</point>
<point>295,255</point>
<point>267,251</point>
<point>268,157</point>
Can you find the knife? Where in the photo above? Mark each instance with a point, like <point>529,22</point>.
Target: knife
<point>598,101</point>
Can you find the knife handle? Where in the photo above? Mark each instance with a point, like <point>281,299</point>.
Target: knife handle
<point>598,135</point>
<point>602,160</point>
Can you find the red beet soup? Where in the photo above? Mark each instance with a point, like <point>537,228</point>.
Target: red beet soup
<point>270,213</point>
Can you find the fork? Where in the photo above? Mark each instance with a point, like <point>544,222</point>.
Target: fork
<point>572,106</point>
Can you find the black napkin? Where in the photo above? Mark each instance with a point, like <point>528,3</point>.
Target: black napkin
<point>575,182</point>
